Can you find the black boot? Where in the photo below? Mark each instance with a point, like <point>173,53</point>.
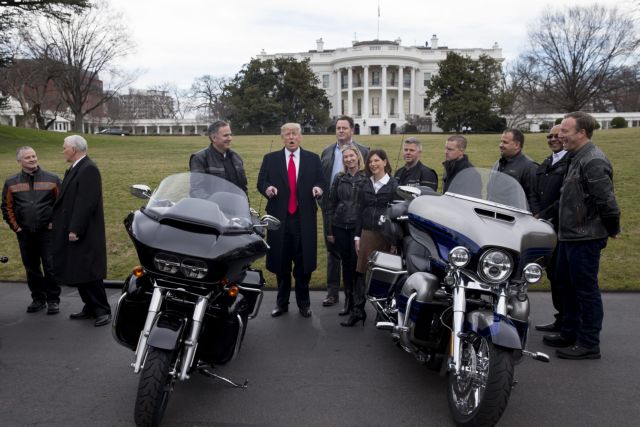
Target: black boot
<point>348,306</point>
<point>354,319</point>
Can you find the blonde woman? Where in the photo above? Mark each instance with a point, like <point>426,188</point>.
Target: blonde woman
<point>342,214</point>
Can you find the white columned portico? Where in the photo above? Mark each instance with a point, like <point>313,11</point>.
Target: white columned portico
<point>383,98</point>
<point>365,101</point>
<point>350,91</point>
<point>412,96</point>
<point>339,91</point>
<point>158,130</point>
<point>401,92</point>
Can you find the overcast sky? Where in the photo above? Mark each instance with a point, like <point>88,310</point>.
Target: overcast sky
<point>178,41</point>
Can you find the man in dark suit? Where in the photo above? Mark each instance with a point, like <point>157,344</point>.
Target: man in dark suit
<point>292,179</point>
<point>80,250</point>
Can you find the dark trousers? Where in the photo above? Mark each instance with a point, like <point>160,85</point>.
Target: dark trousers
<point>333,265</point>
<point>346,248</point>
<point>577,272</point>
<point>292,253</point>
<point>35,249</point>
<point>556,287</point>
<point>94,298</point>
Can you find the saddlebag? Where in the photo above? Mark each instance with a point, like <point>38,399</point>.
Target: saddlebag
<point>383,272</point>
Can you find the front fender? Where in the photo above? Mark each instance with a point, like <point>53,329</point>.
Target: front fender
<point>166,331</point>
<point>499,329</point>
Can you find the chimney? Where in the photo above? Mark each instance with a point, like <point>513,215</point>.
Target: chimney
<point>320,45</point>
<point>434,42</point>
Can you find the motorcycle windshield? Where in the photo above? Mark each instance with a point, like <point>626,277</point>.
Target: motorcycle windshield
<point>490,187</point>
<point>201,200</point>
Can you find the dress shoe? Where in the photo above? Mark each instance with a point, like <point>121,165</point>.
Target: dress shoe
<point>353,320</point>
<point>305,312</point>
<point>81,315</point>
<point>103,319</point>
<point>557,340</point>
<point>549,327</point>
<point>53,308</point>
<point>36,306</point>
<point>579,352</point>
<point>279,311</point>
<point>329,301</point>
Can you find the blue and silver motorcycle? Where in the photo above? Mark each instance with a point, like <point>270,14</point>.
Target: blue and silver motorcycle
<point>456,294</point>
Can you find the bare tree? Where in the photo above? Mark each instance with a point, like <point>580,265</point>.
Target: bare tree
<point>205,94</point>
<point>30,81</point>
<point>85,46</point>
<point>574,53</point>
<point>16,14</point>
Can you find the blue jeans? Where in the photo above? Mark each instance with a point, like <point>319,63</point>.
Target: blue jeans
<point>577,272</point>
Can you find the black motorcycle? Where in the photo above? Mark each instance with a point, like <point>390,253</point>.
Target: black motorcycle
<point>186,307</point>
<point>456,296</point>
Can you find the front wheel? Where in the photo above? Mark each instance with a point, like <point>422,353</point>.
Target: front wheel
<point>478,395</point>
<point>156,384</point>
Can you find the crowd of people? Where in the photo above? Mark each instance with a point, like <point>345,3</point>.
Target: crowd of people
<point>60,224</point>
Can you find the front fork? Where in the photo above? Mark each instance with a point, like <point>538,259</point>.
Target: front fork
<point>191,343</point>
<point>154,307</point>
<point>459,313</point>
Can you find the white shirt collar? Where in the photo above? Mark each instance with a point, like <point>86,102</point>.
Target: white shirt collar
<point>76,162</point>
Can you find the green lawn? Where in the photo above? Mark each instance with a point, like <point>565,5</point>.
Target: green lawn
<point>137,159</point>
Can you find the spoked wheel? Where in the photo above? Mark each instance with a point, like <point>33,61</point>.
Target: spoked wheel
<point>154,388</point>
<point>478,395</point>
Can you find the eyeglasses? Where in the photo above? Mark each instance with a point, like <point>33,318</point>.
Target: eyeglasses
<point>552,136</point>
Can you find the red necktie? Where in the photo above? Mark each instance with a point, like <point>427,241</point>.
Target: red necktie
<point>293,199</point>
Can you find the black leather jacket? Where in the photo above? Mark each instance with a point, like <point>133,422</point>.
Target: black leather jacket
<point>326,161</point>
<point>27,200</point>
<point>523,169</point>
<point>588,206</point>
<point>342,208</point>
<point>418,176</point>
<point>208,160</point>
<point>371,204</point>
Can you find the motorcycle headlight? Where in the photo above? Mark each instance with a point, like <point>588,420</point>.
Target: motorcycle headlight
<point>194,269</point>
<point>495,266</point>
<point>532,273</point>
<point>459,256</point>
<point>166,263</point>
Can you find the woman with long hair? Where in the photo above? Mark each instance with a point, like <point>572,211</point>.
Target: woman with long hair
<point>342,214</point>
<point>373,198</point>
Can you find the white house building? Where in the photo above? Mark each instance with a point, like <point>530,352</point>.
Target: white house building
<point>379,82</point>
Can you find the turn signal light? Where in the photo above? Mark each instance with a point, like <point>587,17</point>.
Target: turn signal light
<point>138,271</point>
<point>232,291</point>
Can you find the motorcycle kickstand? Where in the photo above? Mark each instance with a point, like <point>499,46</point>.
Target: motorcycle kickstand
<point>206,370</point>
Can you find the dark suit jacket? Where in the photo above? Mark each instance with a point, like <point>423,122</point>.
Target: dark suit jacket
<point>273,171</point>
<point>79,209</point>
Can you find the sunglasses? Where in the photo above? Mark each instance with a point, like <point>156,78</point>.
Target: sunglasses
<point>552,136</point>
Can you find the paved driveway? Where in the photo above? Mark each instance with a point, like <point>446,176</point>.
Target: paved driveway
<point>301,372</point>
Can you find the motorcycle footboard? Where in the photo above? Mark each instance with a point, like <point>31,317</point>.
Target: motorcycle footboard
<point>166,331</point>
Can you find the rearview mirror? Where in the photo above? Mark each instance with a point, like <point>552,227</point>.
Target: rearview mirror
<point>408,193</point>
<point>140,191</point>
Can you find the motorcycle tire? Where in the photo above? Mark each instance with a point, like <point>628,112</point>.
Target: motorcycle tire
<point>154,388</point>
<point>479,394</point>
